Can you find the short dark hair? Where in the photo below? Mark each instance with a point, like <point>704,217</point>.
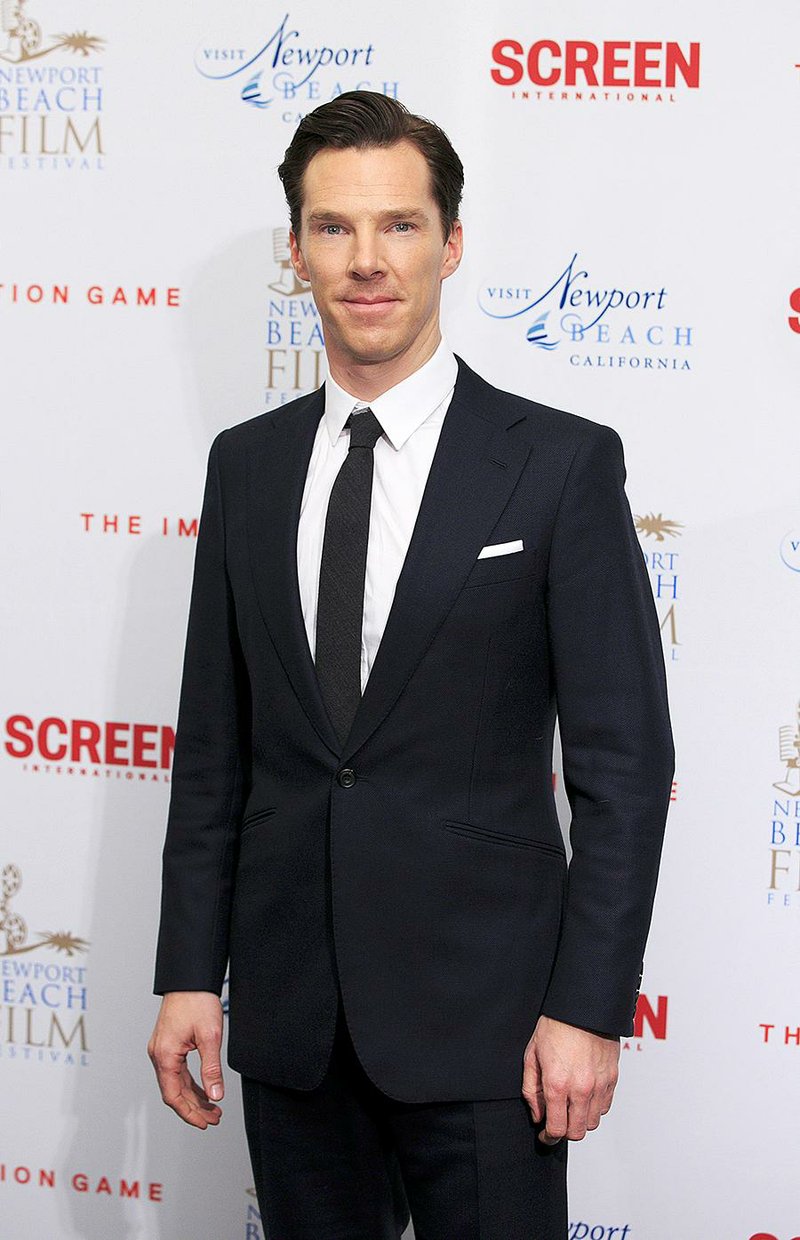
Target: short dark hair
<point>359,119</point>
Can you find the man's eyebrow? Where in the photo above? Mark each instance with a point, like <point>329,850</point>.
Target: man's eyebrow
<point>392,213</point>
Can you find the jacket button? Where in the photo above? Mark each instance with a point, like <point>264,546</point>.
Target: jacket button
<point>346,777</point>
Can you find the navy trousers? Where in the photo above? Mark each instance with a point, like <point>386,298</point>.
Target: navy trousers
<point>346,1162</point>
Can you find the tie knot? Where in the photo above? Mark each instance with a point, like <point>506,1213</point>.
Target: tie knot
<point>365,429</point>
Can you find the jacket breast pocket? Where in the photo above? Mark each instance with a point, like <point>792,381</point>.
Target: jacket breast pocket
<point>495,569</point>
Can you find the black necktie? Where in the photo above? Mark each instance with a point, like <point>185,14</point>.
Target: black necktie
<point>340,603</point>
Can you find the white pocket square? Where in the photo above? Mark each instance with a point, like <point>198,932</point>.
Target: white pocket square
<point>500,548</point>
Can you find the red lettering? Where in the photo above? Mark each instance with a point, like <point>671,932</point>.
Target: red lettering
<point>134,525</point>
<point>54,755</point>
<point>103,1186</point>
<point>513,66</point>
<point>128,1190</point>
<point>85,735</point>
<point>144,298</point>
<point>580,57</point>
<point>187,529</point>
<point>156,1192</point>
<point>167,746</point>
<point>119,297</point>
<point>656,1020</point>
<point>794,302</point>
<point>114,743</point>
<point>612,62</point>
<point>173,297</point>
<point>140,745</point>
<point>642,62</point>
<point>688,69</point>
<point>20,744</point>
<point>534,72</point>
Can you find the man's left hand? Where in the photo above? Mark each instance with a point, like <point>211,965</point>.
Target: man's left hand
<point>569,1076</point>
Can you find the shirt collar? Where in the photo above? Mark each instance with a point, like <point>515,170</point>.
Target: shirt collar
<point>404,407</point>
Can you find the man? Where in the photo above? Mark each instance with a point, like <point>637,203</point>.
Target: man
<point>399,579</point>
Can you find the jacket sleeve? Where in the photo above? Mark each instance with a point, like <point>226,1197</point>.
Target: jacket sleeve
<point>609,678</point>
<point>209,770</point>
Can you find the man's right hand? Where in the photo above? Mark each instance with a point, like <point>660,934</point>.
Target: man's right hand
<point>189,1020</point>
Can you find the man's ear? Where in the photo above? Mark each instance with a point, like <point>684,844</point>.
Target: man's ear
<point>296,255</point>
<point>454,248</point>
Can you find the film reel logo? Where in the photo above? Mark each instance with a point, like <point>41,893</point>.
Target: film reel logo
<point>15,931</point>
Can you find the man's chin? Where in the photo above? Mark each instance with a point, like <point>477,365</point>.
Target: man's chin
<point>373,349</point>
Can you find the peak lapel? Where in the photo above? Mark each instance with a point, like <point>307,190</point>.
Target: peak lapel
<point>276,477</point>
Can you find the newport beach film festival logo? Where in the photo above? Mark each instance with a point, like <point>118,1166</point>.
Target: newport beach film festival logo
<point>295,346</point>
<point>51,99</point>
<point>662,565</point>
<point>44,1001</point>
<point>784,866</point>
<point>593,324</point>
<point>283,72</point>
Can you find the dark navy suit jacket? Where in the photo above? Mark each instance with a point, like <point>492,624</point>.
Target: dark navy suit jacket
<point>421,863</point>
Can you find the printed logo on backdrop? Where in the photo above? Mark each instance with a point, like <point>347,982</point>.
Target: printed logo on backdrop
<point>134,524</point>
<point>794,319</point>
<point>51,91</point>
<point>790,550</point>
<point>252,1219</point>
<point>29,1177</point>
<point>784,865</point>
<point>45,1002</point>
<point>586,320</point>
<point>88,749</point>
<point>295,345</point>
<point>580,71</point>
<point>287,71</point>
<point>135,296</point>
<point>662,565</point>
<point>649,1023</point>
<point>599,1231</point>
<point>779,1035</point>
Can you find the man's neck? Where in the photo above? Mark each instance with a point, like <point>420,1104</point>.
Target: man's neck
<point>368,382</point>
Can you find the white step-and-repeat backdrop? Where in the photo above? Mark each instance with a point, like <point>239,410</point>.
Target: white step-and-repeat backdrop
<point>631,218</point>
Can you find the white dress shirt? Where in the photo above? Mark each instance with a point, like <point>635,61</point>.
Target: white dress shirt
<point>411,414</point>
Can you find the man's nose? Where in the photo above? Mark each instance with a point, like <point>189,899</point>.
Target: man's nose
<point>366,260</point>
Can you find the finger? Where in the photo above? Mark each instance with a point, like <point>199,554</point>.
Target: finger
<point>208,1045</point>
<point>189,1102</point>
<point>580,1099</point>
<point>599,1105</point>
<point>180,1093</point>
<point>555,1128</point>
<point>532,1087</point>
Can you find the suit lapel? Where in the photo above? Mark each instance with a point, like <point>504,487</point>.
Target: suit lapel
<point>474,470</point>
<point>276,478</point>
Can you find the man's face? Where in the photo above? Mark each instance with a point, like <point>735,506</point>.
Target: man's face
<point>371,244</point>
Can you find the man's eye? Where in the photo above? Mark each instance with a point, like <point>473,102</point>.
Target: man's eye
<point>331,230</point>
<point>403,225</point>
